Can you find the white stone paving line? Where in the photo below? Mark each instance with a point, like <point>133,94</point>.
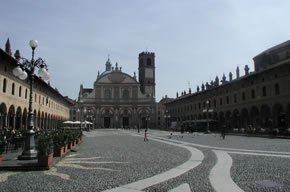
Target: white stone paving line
<point>259,154</point>
<point>220,175</point>
<point>194,160</point>
<point>182,188</point>
<point>221,148</point>
<point>4,176</point>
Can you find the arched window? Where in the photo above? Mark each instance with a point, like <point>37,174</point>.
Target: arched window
<point>107,94</point>
<point>126,94</point>
<point>4,85</point>
<point>20,89</point>
<point>149,62</point>
<point>12,88</point>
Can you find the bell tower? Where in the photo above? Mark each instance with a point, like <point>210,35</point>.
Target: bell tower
<point>147,73</point>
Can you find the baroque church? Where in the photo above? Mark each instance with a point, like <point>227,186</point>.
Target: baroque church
<point>119,100</point>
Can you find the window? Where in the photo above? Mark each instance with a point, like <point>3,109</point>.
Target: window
<point>149,62</point>
<point>243,96</point>
<point>107,94</point>
<point>264,91</point>
<point>35,97</point>
<point>228,100</point>
<point>25,93</point>
<point>235,98</point>
<point>221,101</point>
<point>214,103</point>
<point>39,99</point>
<point>277,89</point>
<point>126,94</point>
<point>12,88</point>
<point>4,85</point>
<point>253,93</point>
<point>20,91</point>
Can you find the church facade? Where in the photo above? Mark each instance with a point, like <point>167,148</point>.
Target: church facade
<point>118,100</point>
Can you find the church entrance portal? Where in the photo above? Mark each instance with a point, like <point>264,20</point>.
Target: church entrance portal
<point>125,122</point>
<point>143,123</point>
<point>107,122</point>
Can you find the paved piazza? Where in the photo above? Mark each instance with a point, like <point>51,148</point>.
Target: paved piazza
<point>120,161</point>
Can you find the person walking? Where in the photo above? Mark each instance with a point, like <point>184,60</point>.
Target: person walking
<point>145,135</point>
<point>223,132</point>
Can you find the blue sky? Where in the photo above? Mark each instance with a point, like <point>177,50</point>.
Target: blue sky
<point>194,40</point>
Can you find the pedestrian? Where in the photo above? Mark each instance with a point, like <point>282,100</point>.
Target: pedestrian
<point>145,135</point>
<point>223,132</point>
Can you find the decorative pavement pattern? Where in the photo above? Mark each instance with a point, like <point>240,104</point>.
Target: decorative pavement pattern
<point>118,160</point>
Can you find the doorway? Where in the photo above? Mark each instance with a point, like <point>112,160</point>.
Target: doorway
<point>126,122</point>
<point>107,122</point>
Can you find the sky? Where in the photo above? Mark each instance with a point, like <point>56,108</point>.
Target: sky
<point>193,40</point>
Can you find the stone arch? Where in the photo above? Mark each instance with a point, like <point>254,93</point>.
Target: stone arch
<point>236,118</point>
<point>39,120</point>
<point>45,120</point>
<point>42,120</point>
<point>221,118</point>
<point>24,118</point>
<point>287,118</point>
<point>49,121</point>
<point>18,118</point>
<point>3,115</point>
<point>11,117</point>
<point>255,117</point>
<point>215,116</point>
<point>244,118</point>
<point>228,119</point>
<point>266,117</point>
<point>278,112</point>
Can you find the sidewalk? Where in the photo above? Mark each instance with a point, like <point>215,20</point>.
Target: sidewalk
<point>11,163</point>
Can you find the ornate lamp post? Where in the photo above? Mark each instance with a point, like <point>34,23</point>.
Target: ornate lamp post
<point>147,120</point>
<point>166,117</point>
<point>207,110</point>
<point>21,71</point>
<point>81,110</point>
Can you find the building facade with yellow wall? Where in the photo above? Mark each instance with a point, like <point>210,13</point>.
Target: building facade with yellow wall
<point>50,108</point>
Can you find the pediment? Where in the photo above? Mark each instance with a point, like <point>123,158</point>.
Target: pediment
<point>116,77</point>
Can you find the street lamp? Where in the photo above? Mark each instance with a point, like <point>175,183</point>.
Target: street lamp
<point>81,111</point>
<point>21,72</point>
<point>147,119</point>
<point>207,121</point>
<point>166,117</point>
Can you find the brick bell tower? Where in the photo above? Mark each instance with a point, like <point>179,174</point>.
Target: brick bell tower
<point>147,73</point>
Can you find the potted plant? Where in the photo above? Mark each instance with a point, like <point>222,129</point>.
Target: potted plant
<point>3,142</point>
<point>70,139</point>
<point>45,150</point>
<point>58,144</point>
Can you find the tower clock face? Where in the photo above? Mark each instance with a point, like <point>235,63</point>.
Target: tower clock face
<point>148,73</point>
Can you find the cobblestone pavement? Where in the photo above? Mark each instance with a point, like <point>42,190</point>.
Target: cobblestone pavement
<point>119,160</point>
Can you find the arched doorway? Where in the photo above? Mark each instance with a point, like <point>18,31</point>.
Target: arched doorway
<point>255,117</point>
<point>3,115</point>
<point>278,116</point>
<point>24,118</point>
<point>11,117</point>
<point>244,118</point>
<point>236,119</point>
<point>266,117</point>
<point>18,122</point>
<point>228,119</point>
<point>221,119</point>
